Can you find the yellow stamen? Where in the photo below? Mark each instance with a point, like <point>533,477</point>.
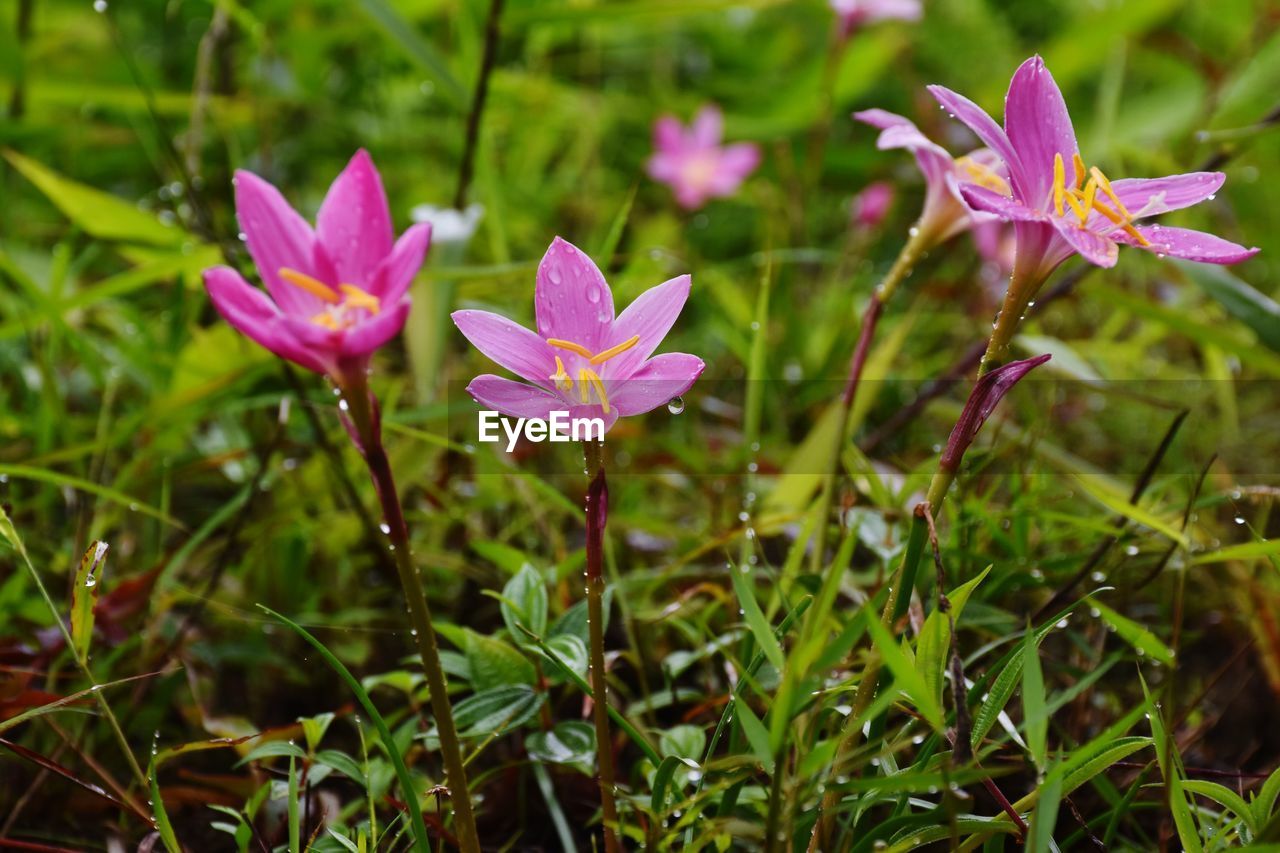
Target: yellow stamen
<point>585,376</point>
<point>326,319</point>
<point>561,379</point>
<point>1076,207</point>
<point>1111,193</point>
<point>1059,178</point>
<point>310,285</point>
<point>358,298</point>
<point>570,346</point>
<point>1077,162</point>
<point>1090,194</point>
<point>602,357</point>
<point>583,385</point>
<point>1125,225</point>
<point>982,175</point>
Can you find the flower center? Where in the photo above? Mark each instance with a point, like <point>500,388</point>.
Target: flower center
<point>982,175</point>
<point>588,379</point>
<point>342,302</point>
<point>700,171</point>
<point>1082,197</point>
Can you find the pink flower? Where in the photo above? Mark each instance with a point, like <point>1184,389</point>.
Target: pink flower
<point>1059,206</point>
<point>582,360</point>
<point>870,206</point>
<point>694,163</point>
<point>337,292</point>
<point>946,212</point>
<point>854,13</point>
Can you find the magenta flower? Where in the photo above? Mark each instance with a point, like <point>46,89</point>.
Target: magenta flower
<point>945,211</point>
<point>1059,206</point>
<point>871,206</point>
<point>694,163</point>
<point>582,360</point>
<point>337,292</point>
<point>854,13</point>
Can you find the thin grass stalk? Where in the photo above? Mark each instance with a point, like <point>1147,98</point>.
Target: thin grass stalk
<point>361,409</point>
<point>597,505</point>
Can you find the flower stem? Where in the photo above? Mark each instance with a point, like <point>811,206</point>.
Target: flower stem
<point>597,501</point>
<point>364,419</point>
<point>906,260</point>
<point>1017,298</point>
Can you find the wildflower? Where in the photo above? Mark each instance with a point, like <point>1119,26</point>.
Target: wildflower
<point>582,359</point>
<point>870,206</point>
<point>945,211</point>
<point>1060,205</point>
<point>693,162</point>
<point>336,292</point>
<point>854,13</point>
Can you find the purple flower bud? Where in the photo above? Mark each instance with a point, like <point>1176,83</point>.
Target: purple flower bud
<point>984,398</point>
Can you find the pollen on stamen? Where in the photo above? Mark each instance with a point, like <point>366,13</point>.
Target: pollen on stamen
<point>602,357</point>
<point>311,285</point>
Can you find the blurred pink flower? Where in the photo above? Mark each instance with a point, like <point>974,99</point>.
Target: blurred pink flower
<point>694,163</point>
<point>582,359</point>
<point>945,211</point>
<point>854,13</point>
<point>337,292</point>
<point>1060,207</point>
<point>870,206</point>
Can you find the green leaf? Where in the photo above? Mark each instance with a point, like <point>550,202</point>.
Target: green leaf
<point>569,742</point>
<point>1045,816</point>
<point>1225,797</point>
<point>313,728</point>
<point>1256,310</point>
<point>1134,634</point>
<point>495,663</point>
<point>934,642</point>
<point>524,600</point>
<point>1080,772</point>
<point>84,595</point>
<point>1121,506</point>
<point>757,734</point>
<point>662,780</point>
<point>100,214</point>
<point>419,50</point>
<point>907,678</point>
<point>498,709</point>
<point>343,763</point>
<point>756,621</point>
<point>272,749</point>
<point>568,649</point>
<point>1035,717</point>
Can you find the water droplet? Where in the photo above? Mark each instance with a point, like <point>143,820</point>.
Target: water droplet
<point>1132,550</point>
<point>1239,519</point>
<point>676,405</point>
<point>342,404</point>
<point>593,294</point>
<point>100,6</point>
<point>385,528</point>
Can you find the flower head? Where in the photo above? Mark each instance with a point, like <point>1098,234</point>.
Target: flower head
<point>945,211</point>
<point>1060,205</point>
<point>871,206</point>
<point>854,13</point>
<point>338,291</point>
<point>582,359</point>
<point>694,163</point>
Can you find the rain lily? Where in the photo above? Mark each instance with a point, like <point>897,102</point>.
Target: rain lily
<point>582,359</point>
<point>1061,206</point>
<point>854,13</point>
<point>870,206</point>
<point>694,163</point>
<point>945,212</point>
<point>336,292</point>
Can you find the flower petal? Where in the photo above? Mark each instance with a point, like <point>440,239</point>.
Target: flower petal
<point>736,162</point>
<point>708,127</point>
<point>983,399</point>
<point>572,301</point>
<point>991,134</point>
<point>1010,209</point>
<point>1151,196</point>
<point>668,134</point>
<point>277,237</point>
<point>513,398</point>
<point>650,316</point>
<point>508,344</point>
<point>661,379</point>
<point>1092,246</point>
<point>354,223</point>
<point>1039,126</point>
<point>366,336</point>
<point>396,271</point>
<point>1188,244</point>
<point>250,311</point>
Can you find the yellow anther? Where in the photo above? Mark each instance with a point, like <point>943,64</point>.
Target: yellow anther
<point>602,357</point>
<point>1090,193</point>
<point>570,346</point>
<point>310,285</point>
<point>1125,225</point>
<point>1105,185</point>
<point>327,320</point>
<point>589,378</point>
<point>983,175</point>
<point>560,378</point>
<point>1077,162</point>
<point>1076,207</point>
<point>358,298</point>
<point>1059,178</point>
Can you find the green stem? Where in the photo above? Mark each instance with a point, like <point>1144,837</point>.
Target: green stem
<point>1022,287</point>
<point>597,514</point>
<point>362,411</point>
<point>21,548</point>
<point>911,252</point>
